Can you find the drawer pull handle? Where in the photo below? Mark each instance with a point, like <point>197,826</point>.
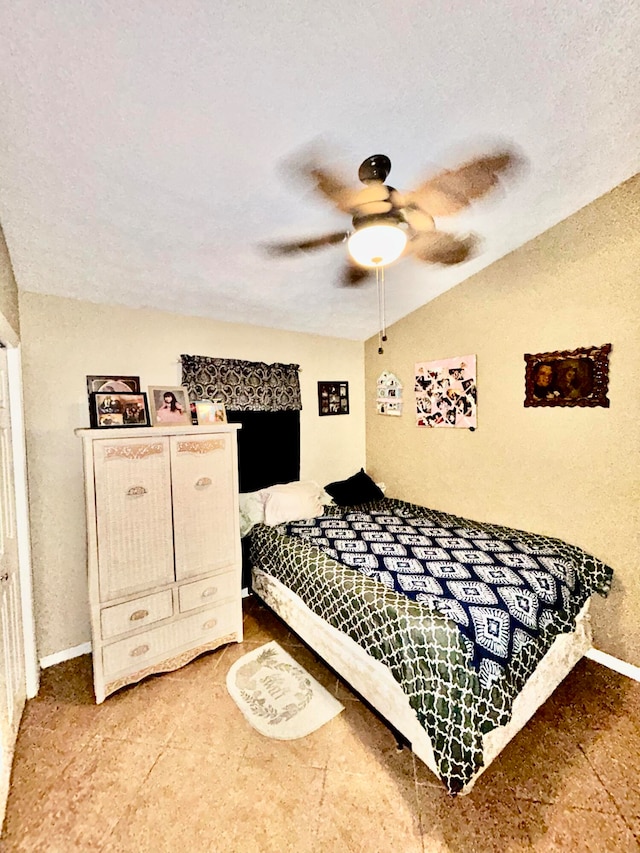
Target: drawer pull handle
<point>138,614</point>
<point>209,591</point>
<point>139,650</point>
<point>210,623</point>
<point>136,491</point>
<point>204,481</point>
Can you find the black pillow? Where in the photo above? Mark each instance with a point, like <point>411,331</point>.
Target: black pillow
<point>359,489</point>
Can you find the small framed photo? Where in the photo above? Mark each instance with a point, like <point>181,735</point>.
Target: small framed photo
<point>169,406</point>
<point>115,384</point>
<point>211,412</point>
<point>333,398</point>
<point>577,377</point>
<point>118,410</point>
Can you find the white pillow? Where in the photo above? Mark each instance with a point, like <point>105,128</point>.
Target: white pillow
<point>293,502</point>
<point>251,510</point>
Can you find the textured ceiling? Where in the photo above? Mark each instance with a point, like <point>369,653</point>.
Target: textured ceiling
<point>142,143</point>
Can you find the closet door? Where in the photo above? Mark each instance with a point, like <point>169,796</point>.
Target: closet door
<point>205,506</point>
<point>133,510</point>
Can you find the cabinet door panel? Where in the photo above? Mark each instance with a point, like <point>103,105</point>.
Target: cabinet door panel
<point>133,508</point>
<point>205,512</point>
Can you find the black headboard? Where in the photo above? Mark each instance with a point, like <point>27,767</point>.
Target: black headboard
<point>268,448</point>
<point>268,453</point>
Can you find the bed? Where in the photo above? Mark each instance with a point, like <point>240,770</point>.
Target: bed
<point>367,585</point>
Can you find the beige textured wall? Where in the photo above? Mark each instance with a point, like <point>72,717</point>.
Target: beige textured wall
<point>9,315</point>
<point>569,472</point>
<point>64,340</point>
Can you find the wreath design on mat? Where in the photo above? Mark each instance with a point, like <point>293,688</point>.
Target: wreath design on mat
<point>257,699</point>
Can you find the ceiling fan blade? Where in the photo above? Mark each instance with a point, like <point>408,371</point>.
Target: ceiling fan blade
<point>353,275</point>
<point>309,245</point>
<point>452,190</point>
<point>308,169</point>
<point>417,219</point>
<point>438,247</point>
<point>333,188</point>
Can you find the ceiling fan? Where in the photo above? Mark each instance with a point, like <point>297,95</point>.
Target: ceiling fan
<point>388,224</point>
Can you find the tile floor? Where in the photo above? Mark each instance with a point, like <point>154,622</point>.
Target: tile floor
<point>171,765</point>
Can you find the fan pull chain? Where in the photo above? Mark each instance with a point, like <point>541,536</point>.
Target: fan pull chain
<point>382,321</point>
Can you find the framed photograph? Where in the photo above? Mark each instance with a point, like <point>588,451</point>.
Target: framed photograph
<point>169,406</point>
<point>577,377</point>
<point>210,412</point>
<point>333,398</point>
<point>118,410</point>
<point>115,384</point>
<point>388,394</point>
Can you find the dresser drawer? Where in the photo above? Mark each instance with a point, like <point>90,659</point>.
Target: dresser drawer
<point>165,641</point>
<point>208,591</point>
<point>134,614</point>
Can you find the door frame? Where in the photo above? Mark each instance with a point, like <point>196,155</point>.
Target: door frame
<point>23,536</point>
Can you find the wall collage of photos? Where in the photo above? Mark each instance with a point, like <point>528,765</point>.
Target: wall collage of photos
<point>446,393</point>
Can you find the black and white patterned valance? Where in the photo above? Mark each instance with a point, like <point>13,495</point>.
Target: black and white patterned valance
<point>242,385</point>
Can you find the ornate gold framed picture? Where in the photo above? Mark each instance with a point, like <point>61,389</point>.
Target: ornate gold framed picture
<point>577,377</point>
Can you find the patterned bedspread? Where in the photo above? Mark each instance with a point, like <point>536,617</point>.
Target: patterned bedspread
<point>498,591</point>
<point>460,611</point>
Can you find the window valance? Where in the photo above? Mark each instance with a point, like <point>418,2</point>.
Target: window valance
<point>242,385</point>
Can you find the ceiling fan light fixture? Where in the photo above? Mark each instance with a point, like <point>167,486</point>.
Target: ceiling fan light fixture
<point>377,245</point>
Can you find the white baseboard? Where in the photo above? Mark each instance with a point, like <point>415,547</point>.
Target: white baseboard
<point>65,654</point>
<point>616,664</point>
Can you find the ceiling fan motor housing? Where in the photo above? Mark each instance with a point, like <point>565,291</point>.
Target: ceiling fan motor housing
<point>374,203</point>
<point>374,168</point>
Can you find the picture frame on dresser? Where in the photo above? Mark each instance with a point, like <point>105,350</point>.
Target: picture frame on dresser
<point>211,412</point>
<point>169,405</point>
<point>111,411</point>
<point>115,384</point>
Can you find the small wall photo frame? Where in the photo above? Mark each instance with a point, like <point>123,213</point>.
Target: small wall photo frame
<point>388,394</point>
<point>169,406</point>
<point>578,377</point>
<point>211,412</point>
<point>115,384</point>
<point>333,398</point>
<point>126,409</point>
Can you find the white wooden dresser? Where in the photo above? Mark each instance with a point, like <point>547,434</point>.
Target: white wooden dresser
<point>164,557</point>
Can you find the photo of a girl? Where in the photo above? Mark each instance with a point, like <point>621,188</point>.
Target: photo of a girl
<point>169,406</point>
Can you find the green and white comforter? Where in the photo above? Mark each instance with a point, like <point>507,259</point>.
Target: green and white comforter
<point>425,651</point>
